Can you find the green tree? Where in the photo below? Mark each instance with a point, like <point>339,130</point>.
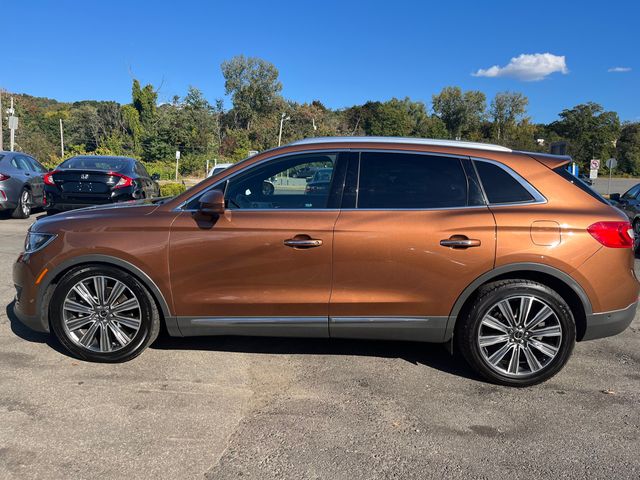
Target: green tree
<point>628,148</point>
<point>462,113</point>
<point>590,131</point>
<point>144,100</point>
<point>506,110</point>
<point>253,85</point>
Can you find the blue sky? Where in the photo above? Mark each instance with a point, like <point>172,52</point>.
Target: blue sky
<point>340,52</point>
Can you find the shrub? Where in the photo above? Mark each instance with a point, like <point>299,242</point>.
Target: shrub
<point>166,170</point>
<point>171,189</point>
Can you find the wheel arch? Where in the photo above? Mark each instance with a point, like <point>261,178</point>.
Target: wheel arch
<point>567,287</point>
<point>51,280</point>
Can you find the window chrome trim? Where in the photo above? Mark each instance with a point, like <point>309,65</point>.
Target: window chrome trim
<point>538,198</point>
<point>242,170</point>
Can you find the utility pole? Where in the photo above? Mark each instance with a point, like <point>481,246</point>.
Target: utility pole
<point>61,140</point>
<point>13,124</point>
<point>282,119</point>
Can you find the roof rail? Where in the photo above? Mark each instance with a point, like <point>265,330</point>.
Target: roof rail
<point>409,140</point>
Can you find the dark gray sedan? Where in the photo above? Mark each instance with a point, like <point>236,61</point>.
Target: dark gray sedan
<point>21,184</point>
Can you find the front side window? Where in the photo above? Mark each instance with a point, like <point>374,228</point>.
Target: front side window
<point>295,182</point>
<point>500,186</point>
<point>401,180</point>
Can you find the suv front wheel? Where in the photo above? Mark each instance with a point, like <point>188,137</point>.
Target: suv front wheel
<point>103,314</point>
<point>517,333</point>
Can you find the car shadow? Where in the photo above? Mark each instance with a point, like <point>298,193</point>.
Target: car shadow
<point>29,335</point>
<point>434,356</point>
<point>430,355</point>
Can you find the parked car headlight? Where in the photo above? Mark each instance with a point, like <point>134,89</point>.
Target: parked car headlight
<point>37,241</point>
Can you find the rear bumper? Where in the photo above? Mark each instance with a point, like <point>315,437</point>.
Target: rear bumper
<point>600,325</point>
<point>60,202</point>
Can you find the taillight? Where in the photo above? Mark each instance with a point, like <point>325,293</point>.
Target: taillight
<point>4,177</point>
<point>123,182</point>
<point>612,234</point>
<point>48,178</point>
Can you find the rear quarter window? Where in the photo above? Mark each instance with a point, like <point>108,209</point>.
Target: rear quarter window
<point>499,186</point>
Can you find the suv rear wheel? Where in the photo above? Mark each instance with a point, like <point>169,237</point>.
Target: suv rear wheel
<point>517,333</point>
<point>103,314</point>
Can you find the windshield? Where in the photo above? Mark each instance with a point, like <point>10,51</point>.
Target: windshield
<point>96,163</point>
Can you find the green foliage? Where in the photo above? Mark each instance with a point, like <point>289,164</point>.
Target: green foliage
<point>506,110</point>
<point>462,113</point>
<point>591,130</point>
<point>171,189</point>
<point>253,85</point>
<point>628,149</point>
<point>166,170</point>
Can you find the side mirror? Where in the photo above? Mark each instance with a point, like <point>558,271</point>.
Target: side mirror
<point>155,177</point>
<point>615,197</point>
<point>212,203</point>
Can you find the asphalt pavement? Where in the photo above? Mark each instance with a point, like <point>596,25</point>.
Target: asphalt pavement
<point>263,408</point>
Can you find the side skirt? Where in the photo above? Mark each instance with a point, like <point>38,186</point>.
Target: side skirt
<point>417,329</point>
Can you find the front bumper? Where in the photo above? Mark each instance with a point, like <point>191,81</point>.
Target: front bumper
<point>28,305</point>
<point>600,325</point>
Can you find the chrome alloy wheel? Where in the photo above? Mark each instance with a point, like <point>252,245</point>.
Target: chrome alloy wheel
<point>519,336</point>
<point>101,314</point>
<point>25,203</point>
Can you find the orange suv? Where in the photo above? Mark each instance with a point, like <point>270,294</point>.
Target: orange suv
<point>502,253</point>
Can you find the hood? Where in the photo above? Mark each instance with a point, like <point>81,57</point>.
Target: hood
<point>128,209</point>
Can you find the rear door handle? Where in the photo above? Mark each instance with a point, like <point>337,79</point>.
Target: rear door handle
<point>302,241</point>
<point>460,241</point>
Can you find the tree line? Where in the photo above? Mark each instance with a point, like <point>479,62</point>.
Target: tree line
<point>201,130</point>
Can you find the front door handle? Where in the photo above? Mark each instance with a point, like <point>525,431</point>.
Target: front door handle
<point>302,241</point>
<point>460,241</point>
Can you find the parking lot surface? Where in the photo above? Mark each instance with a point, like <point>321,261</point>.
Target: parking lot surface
<point>265,408</point>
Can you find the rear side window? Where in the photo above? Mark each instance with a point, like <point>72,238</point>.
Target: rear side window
<point>500,186</point>
<point>569,177</point>
<point>400,180</point>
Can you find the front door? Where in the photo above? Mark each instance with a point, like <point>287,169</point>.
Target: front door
<point>414,233</point>
<point>264,267</point>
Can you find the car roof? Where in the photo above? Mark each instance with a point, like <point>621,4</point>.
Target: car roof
<point>103,157</point>
<point>405,140</point>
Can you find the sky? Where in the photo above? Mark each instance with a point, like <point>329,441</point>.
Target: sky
<point>558,53</point>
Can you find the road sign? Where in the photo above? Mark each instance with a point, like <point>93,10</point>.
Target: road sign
<point>13,123</point>
<point>595,164</point>
<point>612,163</point>
<point>593,173</point>
<point>177,154</point>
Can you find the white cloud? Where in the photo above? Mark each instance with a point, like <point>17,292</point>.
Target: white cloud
<point>619,69</point>
<point>528,67</point>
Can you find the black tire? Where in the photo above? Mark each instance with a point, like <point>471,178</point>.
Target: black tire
<point>23,210</point>
<point>467,332</point>
<point>149,315</point>
<point>636,236</point>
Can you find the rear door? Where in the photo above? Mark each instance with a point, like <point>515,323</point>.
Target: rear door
<point>37,182</point>
<point>413,233</point>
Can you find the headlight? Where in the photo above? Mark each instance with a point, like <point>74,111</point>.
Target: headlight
<point>36,241</point>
